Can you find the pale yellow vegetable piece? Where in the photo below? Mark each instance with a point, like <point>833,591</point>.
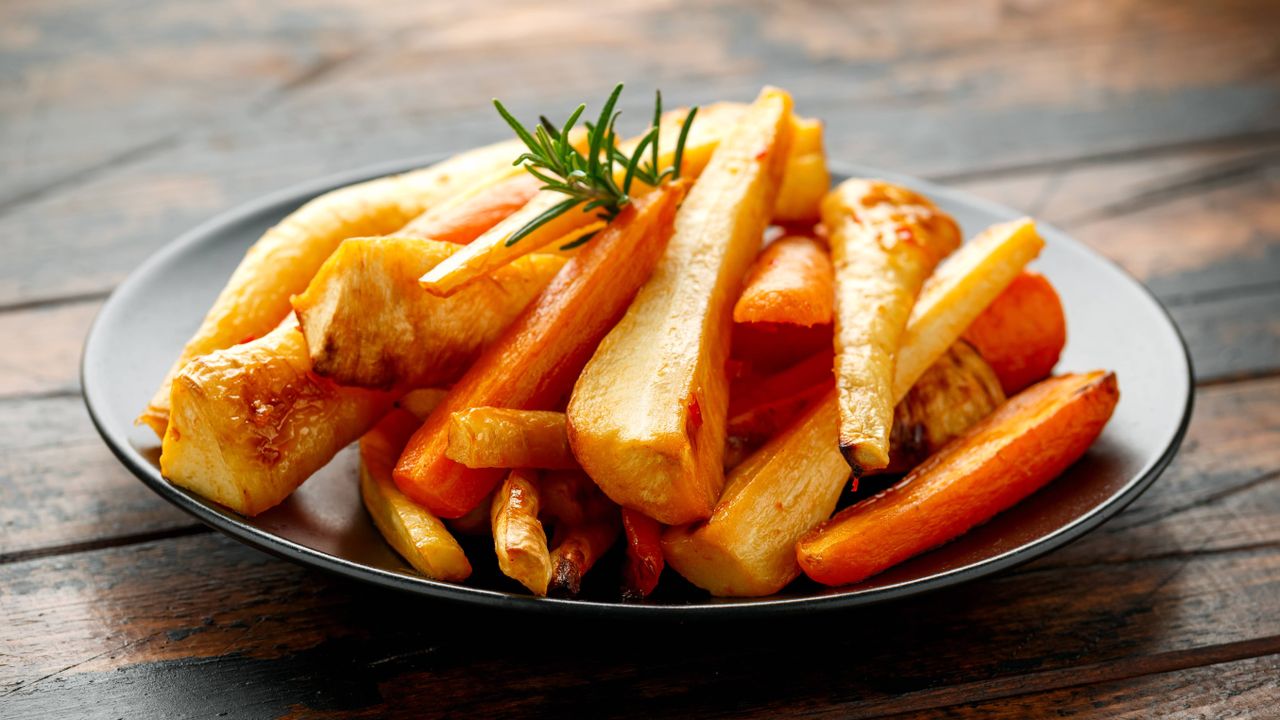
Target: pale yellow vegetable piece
<point>647,415</point>
<point>807,179</point>
<point>885,240</point>
<point>493,437</point>
<point>776,495</point>
<point>958,293</point>
<point>250,423</point>
<point>420,537</point>
<point>369,324</point>
<point>284,259</point>
<point>518,537</point>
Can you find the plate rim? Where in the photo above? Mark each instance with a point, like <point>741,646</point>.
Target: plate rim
<point>230,524</point>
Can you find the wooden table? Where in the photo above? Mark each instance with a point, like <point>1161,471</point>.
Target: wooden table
<point>1149,129</point>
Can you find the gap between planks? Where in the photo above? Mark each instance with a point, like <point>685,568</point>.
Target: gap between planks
<point>1062,678</point>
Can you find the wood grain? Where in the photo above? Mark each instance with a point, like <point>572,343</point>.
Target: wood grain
<point>245,102</point>
<point>1150,130</point>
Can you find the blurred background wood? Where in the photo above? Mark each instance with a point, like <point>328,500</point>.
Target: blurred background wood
<point>1149,129</point>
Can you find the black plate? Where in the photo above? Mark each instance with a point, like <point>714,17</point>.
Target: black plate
<point>1113,323</point>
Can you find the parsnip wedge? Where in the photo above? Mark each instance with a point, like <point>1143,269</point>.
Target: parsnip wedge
<point>518,537</point>
<point>369,324</point>
<point>647,416</point>
<point>413,532</point>
<point>535,361</point>
<point>285,258</point>
<point>728,554</point>
<point>806,180</point>
<point>744,548</point>
<point>885,240</point>
<point>250,423</point>
<point>958,293</point>
<point>494,437</point>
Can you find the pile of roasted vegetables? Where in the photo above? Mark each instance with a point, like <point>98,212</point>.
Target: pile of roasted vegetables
<point>687,341</point>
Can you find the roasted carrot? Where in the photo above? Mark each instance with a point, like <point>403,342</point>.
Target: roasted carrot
<point>644,555</point>
<point>282,262</point>
<point>409,529</point>
<point>476,212</point>
<point>250,423</point>
<point>1014,452</point>
<point>761,406</point>
<point>771,347</point>
<point>1022,332</point>
<point>647,416</point>
<point>534,363</point>
<point>368,324</point>
<point>490,437</point>
<point>790,282</point>
<point>519,540</point>
<point>885,240</point>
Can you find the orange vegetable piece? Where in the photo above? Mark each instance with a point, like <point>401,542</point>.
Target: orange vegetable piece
<point>1021,333</point>
<point>472,215</point>
<point>536,360</point>
<point>644,554</point>
<point>790,282</point>
<point>1015,451</point>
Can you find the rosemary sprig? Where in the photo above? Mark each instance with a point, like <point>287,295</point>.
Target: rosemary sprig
<point>588,180</point>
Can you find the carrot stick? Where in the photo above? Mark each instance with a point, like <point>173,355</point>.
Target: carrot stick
<point>471,216</point>
<point>790,282</point>
<point>644,554</point>
<point>761,406</point>
<point>1022,332</point>
<point>535,361</point>
<point>1014,452</point>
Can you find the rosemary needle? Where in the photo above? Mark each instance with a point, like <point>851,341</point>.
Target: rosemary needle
<point>589,180</point>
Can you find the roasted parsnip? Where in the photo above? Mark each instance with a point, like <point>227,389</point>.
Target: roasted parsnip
<point>772,498</point>
<point>368,324</point>
<point>789,283</point>
<point>959,291</point>
<point>518,537</point>
<point>250,423</point>
<point>806,180</point>
<point>956,392</point>
<point>1015,451</point>
<point>492,437</point>
<point>885,240</point>
<point>647,415</point>
<point>586,525</point>
<point>285,258</point>
<point>409,529</point>
<point>534,363</point>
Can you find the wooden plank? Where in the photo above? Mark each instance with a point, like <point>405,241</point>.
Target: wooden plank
<point>300,89</point>
<point>1240,689</point>
<point>1233,337</point>
<point>60,487</point>
<point>139,627</point>
<point>1186,567</point>
<point>40,349</point>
